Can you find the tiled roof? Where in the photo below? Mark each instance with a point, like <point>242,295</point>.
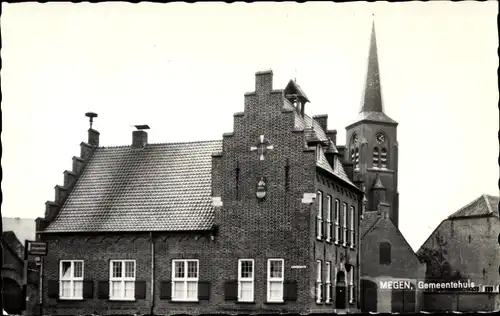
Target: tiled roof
<point>162,187</point>
<point>292,86</point>
<point>485,205</point>
<point>368,221</point>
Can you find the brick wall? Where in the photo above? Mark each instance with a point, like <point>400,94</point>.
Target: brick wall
<point>470,246</point>
<point>463,302</point>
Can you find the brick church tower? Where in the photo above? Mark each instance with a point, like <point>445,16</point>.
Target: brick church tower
<point>371,143</point>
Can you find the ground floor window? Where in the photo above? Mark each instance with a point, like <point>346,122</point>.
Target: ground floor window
<point>245,280</point>
<point>122,280</point>
<point>71,279</point>
<point>275,280</point>
<point>185,280</point>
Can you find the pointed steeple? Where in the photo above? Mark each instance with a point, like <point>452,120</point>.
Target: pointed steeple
<point>372,96</point>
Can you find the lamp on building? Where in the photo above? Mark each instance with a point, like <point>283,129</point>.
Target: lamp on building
<point>261,189</point>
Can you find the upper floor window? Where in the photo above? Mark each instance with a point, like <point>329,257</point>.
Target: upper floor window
<point>71,279</point>
<point>351,227</point>
<point>318,153</point>
<point>329,218</point>
<point>344,224</point>
<point>385,253</point>
<point>337,221</point>
<point>319,216</point>
<point>185,280</point>
<point>122,280</point>
<point>275,280</point>
<point>245,280</point>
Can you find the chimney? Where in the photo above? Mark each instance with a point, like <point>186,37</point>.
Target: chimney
<point>93,134</point>
<point>322,120</point>
<point>332,134</point>
<point>140,137</point>
<point>264,82</point>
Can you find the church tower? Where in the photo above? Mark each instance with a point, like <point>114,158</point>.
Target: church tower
<point>371,143</point>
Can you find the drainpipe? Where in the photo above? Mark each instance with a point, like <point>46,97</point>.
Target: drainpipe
<point>152,271</point>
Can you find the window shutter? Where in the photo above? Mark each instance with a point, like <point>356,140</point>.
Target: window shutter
<point>53,289</point>
<point>203,290</point>
<point>166,290</point>
<point>103,290</point>
<point>140,290</point>
<point>231,290</point>
<point>323,292</point>
<point>88,289</point>
<point>290,291</point>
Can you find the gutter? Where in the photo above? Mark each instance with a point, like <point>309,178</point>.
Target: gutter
<point>152,272</point>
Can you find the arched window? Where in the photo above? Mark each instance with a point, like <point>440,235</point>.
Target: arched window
<point>356,158</point>
<point>385,253</point>
<point>383,158</point>
<point>376,159</point>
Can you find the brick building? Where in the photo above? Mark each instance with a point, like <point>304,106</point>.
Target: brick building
<point>465,247</point>
<point>372,148</point>
<point>268,219</point>
<point>14,232</point>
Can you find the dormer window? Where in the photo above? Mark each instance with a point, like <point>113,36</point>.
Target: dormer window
<point>318,152</point>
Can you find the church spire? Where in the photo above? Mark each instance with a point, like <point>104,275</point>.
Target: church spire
<point>372,96</point>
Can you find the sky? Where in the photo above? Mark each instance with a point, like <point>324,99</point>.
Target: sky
<point>183,69</point>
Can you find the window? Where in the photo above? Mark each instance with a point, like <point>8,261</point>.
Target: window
<point>245,280</point>
<point>319,284</point>
<point>351,226</point>
<point>318,153</point>
<point>122,280</point>
<point>376,159</point>
<point>337,221</point>
<point>489,288</point>
<point>185,280</point>
<point>385,253</point>
<point>328,282</point>
<point>344,224</point>
<point>329,218</point>
<point>71,279</point>
<point>275,268</point>
<point>383,158</point>
<point>356,158</point>
<point>319,216</point>
<point>351,286</point>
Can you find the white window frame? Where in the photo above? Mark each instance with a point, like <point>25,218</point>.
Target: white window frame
<point>185,279</point>
<point>319,216</point>
<point>328,281</point>
<point>344,224</point>
<point>337,221</point>
<point>352,220</point>
<point>319,283</point>
<point>247,279</point>
<point>72,279</point>
<point>351,286</point>
<point>329,218</point>
<point>122,280</point>
<point>275,280</point>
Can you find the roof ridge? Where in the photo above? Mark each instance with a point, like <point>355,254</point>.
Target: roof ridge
<point>172,143</point>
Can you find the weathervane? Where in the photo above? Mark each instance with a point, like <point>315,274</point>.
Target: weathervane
<point>91,116</point>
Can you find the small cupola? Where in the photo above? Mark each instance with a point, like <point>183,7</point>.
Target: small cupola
<point>140,136</point>
<point>296,96</point>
